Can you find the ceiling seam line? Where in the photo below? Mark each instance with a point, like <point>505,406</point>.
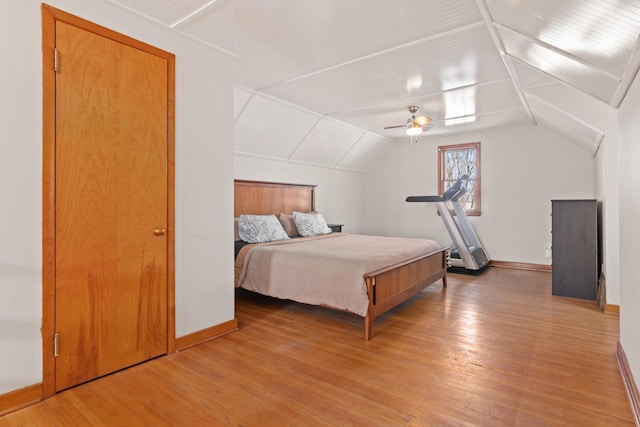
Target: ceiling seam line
<point>375,54</point>
<point>244,107</point>
<point>628,76</point>
<point>486,113</point>
<point>489,23</point>
<point>426,95</point>
<point>280,159</point>
<point>190,16</point>
<point>212,46</point>
<point>163,25</point>
<point>304,137</point>
<point>362,134</point>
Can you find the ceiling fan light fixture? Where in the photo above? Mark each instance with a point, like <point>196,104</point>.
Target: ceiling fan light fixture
<point>421,121</point>
<point>415,125</point>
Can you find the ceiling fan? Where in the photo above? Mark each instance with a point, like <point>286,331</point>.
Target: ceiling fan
<point>415,125</point>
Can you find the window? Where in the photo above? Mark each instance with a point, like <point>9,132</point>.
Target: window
<point>456,161</point>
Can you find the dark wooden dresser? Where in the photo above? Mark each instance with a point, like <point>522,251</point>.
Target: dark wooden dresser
<point>574,245</point>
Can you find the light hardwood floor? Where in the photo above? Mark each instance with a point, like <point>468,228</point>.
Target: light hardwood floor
<point>494,350</point>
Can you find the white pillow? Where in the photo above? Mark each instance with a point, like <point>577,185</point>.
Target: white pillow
<point>310,224</point>
<point>236,232</point>
<point>260,228</point>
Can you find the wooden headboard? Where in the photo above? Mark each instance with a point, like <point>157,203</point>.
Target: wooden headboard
<point>264,198</point>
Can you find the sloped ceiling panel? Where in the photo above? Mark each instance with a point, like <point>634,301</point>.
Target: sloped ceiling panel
<point>271,128</point>
<point>327,143</point>
<point>562,109</point>
<point>273,38</point>
<point>576,73</point>
<point>365,153</point>
<point>585,43</point>
<point>485,98</point>
<point>479,122</point>
<point>552,125</point>
<point>499,97</point>
<point>565,125</point>
<point>575,103</point>
<point>460,59</point>
<point>598,32</point>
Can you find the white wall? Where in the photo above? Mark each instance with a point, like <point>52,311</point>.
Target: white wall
<point>204,179</point>
<point>21,195</point>
<point>522,169</point>
<point>339,195</point>
<point>629,155</point>
<point>608,192</point>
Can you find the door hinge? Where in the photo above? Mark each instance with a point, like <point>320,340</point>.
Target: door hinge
<point>55,345</point>
<point>56,68</point>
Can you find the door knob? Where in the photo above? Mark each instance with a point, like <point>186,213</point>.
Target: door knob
<point>159,231</point>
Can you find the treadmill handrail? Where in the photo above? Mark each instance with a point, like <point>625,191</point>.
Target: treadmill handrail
<point>428,199</point>
<point>453,190</point>
<point>453,193</point>
<point>460,193</point>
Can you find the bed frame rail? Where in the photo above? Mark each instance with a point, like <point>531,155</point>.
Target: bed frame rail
<point>395,284</point>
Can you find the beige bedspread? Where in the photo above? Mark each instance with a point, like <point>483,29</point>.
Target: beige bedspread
<point>323,270</point>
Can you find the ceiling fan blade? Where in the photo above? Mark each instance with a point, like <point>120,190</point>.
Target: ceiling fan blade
<point>393,127</point>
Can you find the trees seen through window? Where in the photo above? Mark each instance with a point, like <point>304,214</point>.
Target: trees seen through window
<point>456,161</point>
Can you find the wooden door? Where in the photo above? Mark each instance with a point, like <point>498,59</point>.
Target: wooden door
<point>111,113</point>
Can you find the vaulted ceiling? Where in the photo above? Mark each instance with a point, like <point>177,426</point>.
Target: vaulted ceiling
<point>317,81</point>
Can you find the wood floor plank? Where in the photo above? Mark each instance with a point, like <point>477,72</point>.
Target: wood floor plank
<point>496,349</point>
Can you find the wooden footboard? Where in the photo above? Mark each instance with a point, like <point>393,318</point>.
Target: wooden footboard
<point>397,283</point>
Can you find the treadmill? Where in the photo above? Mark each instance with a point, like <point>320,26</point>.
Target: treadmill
<point>466,255</point>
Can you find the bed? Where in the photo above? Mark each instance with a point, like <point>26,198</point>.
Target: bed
<point>365,275</point>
